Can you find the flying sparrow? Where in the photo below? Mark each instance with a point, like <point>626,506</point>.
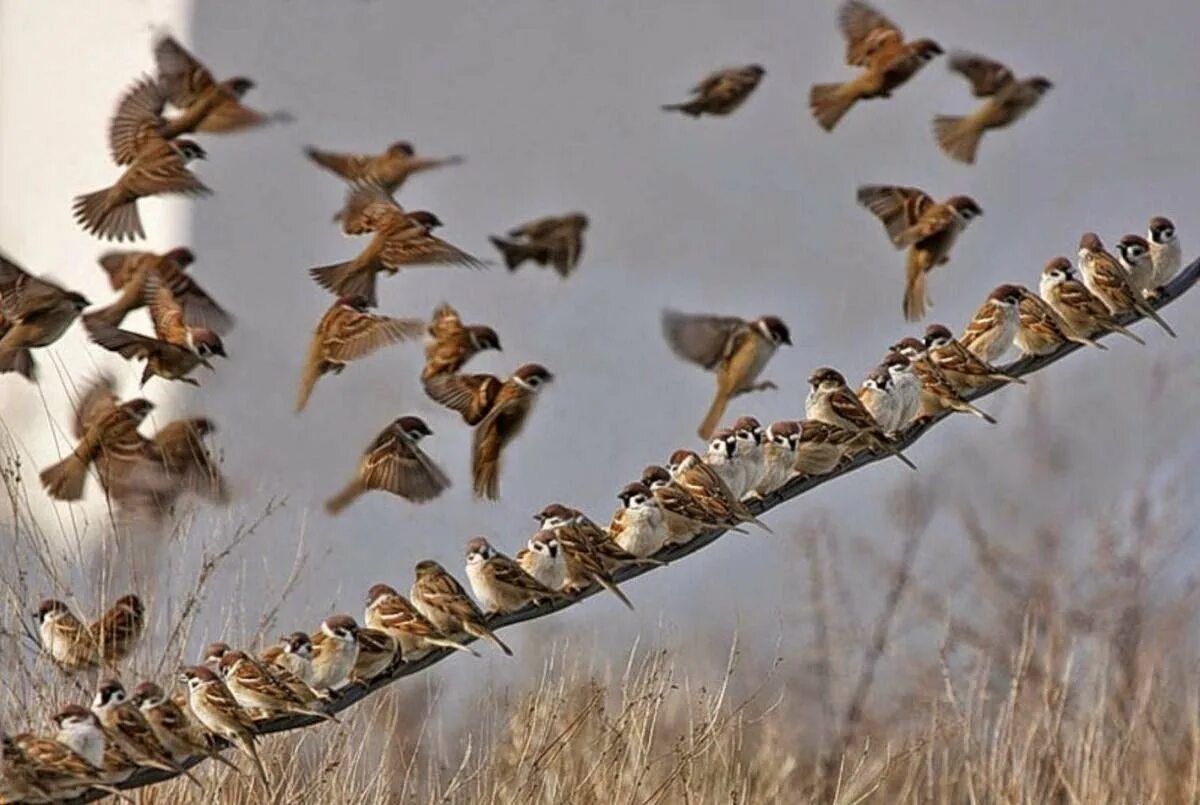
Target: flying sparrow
<point>34,312</point>
<point>555,240</point>
<point>119,629</point>
<point>994,327</point>
<point>720,93</point>
<point>19,360</point>
<point>256,687</point>
<point>453,343</point>
<point>174,729</point>
<point>347,332</point>
<point>1008,100</point>
<point>1082,311</point>
<point>398,239</point>
<point>874,43</point>
<point>1105,277</point>
<point>64,637</point>
<point>503,423</point>
<point>499,583</point>
<point>778,456</point>
<point>439,597</point>
<point>821,447</point>
<point>388,170</point>
<point>395,463</point>
<point>1041,329</point>
<point>128,271</point>
<point>831,401</point>
<point>958,365</point>
<point>111,437</point>
<point>639,526</point>
<point>737,350</point>
<point>335,653</point>
<point>391,612</point>
<point>208,105</point>
<point>928,230</point>
<point>1134,253</point>
<point>79,730</point>
<point>125,726</point>
<point>179,446</point>
<point>219,713</point>
<point>937,393</point>
<point>1165,251</point>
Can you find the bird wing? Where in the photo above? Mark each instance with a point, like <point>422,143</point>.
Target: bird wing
<point>233,115</point>
<point>121,266</point>
<point>899,208</point>
<point>180,74</point>
<point>126,344</point>
<point>161,172</point>
<point>541,227</point>
<point>445,322</point>
<point>934,220</point>
<point>866,32</point>
<point>359,334</point>
<point>366,206</point>
<point>199,308</point>
<point>137,119</point>
<point>99,400</point>
<point>473,396</point>
<point>397,465</point>
<point>422,248</point>
<point>986,77</point>
<point>700,338</point>
<point>165,312</point>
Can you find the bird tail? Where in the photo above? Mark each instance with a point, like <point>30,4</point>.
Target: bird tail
<point>1125,331</point>
<point>346,279</point>
<point>1146,309</point>
<point>829,102</point>
<point>612,587</point>
<point>342,499</point>
<point>514,253</point>
<point>312,373</point>
<point>446,642</point>
<point>958,137</point>
<point>1006,378</point>
<point>914,288</point>
<point>485,633</point>
<point>692,108</point>
<point>247,745</point>
<point>713,417</point>
<point>965,407</point>
<point>20,361</point>
<point>885,444</point>
<point>107,214</point>
<point>64,480</point>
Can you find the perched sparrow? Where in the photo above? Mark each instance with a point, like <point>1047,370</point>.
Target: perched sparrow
<point>118,630</point>
<point>882,400</point>
<point>20,779</point>
<point>503,423</point>
<point>290,661</point>
<point>831,401</point>
<point>1165,251</point>
<point>207,105</point>
<point>1008,99</point>
<point>573,526</point>
<point>398,239</point>
<point>125,726</point>
<point>928,230</point>
<point>79,729</point>
<point>937,393</point>
<point>1041,329</point>
<point>453,343</point>
<point>874,43</point>
<point>179,446</point>
<point>128,272</point>
<point>378,652</point>
<point>720,456</point>
<point>391,612</point>
<point>778,456</point>
<point>395,463</point>
<point>159,167</point>
<point>906,385</point>
<point>1134,253</point>
<point>994,327</point>
<point>1082,311</point>
<point>173,728</point>
<point>556,241</point>
<point>821,447</point>
<point>219,713</point>
<point>34,312</point>
<point>686,516</point>
<point>255,687</point>
<point>1105,277</point>
<point>335,653</point>
<point>65,638</point>
<point>640,525</point>
<point>58,771</point>
<point>958,365</point>
<point>691,473</point>
<point>581,562</point>
<point>543,558</point>
<point>346,333</point>
<point>388,170</point>
<point>720,93</point>
<point>744,455</point>
<point>737,350</point>
<point>499,583</point>
<point>439,597</point>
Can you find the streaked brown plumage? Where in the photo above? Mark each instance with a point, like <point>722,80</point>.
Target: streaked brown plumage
<point>961,367</point>
<point>876,44</point>
<point>388,170</point>
<point>1041,330</point>
<point>64,637</point>
<point>395,463</point>
<point>504,422</point>
<point>129,271</point>
<point>584,564</point>
<point>179,446</point>
<point>34,312</point>
<point>439,597</point>
<point>821,447</point>
<point>128,730</point>
<point>1008,99</point>
<point>686,515</point>
<point>347,332</point>
<point>937,392</point>
<point>709,490</point>
<point>472,396</point>
<point>175,730</point>
<point>206,105</point>
<point>831,401</point>
<point>1082,310</point>
<point>58,770</point>
<point>216,709</point>
<point>391,612</point>
<point>453,343</point>
<point>721,92</point>
<point>378,651</point>
<point>555,241</point>
<point>928,230</point>
<point>398,239</point>
<point>1108,280</point>
<point>117,632</point>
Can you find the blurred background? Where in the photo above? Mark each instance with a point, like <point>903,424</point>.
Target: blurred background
<point>555,107</point>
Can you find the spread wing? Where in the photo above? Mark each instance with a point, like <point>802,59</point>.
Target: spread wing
<point>423,248</point>
<point>166,313</point>
<point>232,115</point>
<point>180,74</point>
<point>987,77</point>
<point>122,266</point>
<point>99,400</point>
<point>542,227</point>
<point>199,308</point>
<point>899,208</point>
<point>161,172</point>
<point>22,294</point>
<point>502,424</point>
<point>366,206</point>
<point>866,31</point>
<point>394,464</point>
<point>359,334</point>
<point>935,219</point>
<point>445,322</point>
<point>700,338</point>
<point>128,345</point>
<point>348,166</point>
<point>137,120</point>
<point>470,395</point>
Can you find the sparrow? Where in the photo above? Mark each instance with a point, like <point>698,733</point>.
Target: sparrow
<point>1134,253</point>
<point>499,583</point>
<point>119,629</point>
<point>505,420</point>
<point>128,272</point>
<point>707,488</point>
<point>928,230</point>
<point>453,343</point>
<point>378,653</point>
<point>79,730</point>
<point>994,327</point>
<point>639,526</point>
<point>1165,251</point>
<point>543,558</point>
<point>335,653</point>
<point>349,331</point>
<point>219,713</point>
<point>290,662</point>
<point>778,456</point>
<point>416,636</point>
<point>159,167</point>
<point>472,396</point>
<point>687,515</point>
<point>175,351</point>
<point>398,239</point>
<point>208,105</point>
<point>174,729</point>
<point>1082,311</point>
<point>573,526</point>
<point>720,456</point>
<point>737,350</point>
<point>821,447</point>
<point>256,687</point>
<point>34,312</point>
<point>20,779</point>
<point>1041,330</point>
<point>1008,100</point>
<point>1105,277</point>
<point>881,400</point>
<point>395,463</point>
<point>874,43</point>
<point>720,93</point>
<point>937,393</point>
<point>555,241</point>
<point>58,772</point>
<point>439,597</point>
<point>179,447</point>
<point>958,365</point>
<point>126,727</point>
<point>748,438</point>
<point>906,385</point>
<point>831,401</point>
<point>65,638</point>
<point>388,170</point>
<point>582,564</point>
<point>110,437</point>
